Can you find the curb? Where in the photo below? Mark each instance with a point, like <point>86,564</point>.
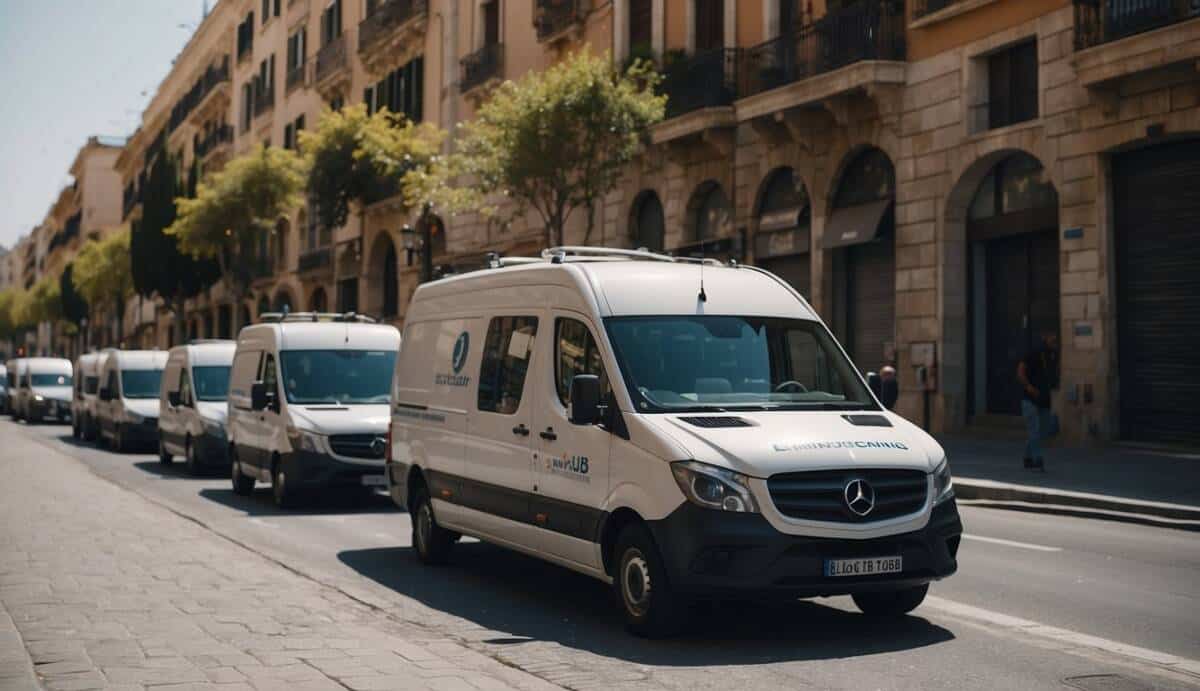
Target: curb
<point>1064,502</point>
<point>16,667</point>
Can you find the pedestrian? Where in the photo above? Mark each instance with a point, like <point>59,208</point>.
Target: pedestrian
<point>1038,375</point>
<point>889,387</point>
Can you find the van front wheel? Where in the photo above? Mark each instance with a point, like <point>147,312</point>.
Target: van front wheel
<point>243,485</point>
<point>431,541</point>
<point>890,603</point>
<point>651,606</point>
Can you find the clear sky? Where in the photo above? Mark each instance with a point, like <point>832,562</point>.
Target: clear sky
<point>70,69</point>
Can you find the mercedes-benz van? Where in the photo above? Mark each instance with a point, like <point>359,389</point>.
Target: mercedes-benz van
<point>44,391</point>
<point>127,410</point>
<point>3,388</point>
<point>14,368</point>
<point>308,403</point>
<point>192,407</point>
<point>675,428</point>
<point>87,388</point>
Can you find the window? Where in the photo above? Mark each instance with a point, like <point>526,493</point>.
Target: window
<point>491,23</point>
<point>269,379</point>
<point>247,105</point>
<point>212,383</point>
<point>245,36</point>
<point>710,25</point>
<point>141,383</point>
<point>1013,85</point>
<point>245,367</point>
<point>576,352</point>
<point>296,49</point>
<point>649,225</point>
<point>337,103</point>
<point>506,356</point>
<point>713,216</point>
<point>339,377</point>
<point>184,387</point>
<point>91,384</point>
<point>50,380</point>
<point>112,382</point>
<point>641,20</point>
<point>400,91</point>
<point>331,22</point>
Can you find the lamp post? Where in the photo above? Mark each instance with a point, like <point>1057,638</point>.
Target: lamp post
<point>423,247</point>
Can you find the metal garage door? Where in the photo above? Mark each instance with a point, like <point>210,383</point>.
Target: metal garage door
<point>871,297</point>
<point>1157,203</point>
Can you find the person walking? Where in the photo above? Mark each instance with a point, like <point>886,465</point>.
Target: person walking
<point>1038,374</point>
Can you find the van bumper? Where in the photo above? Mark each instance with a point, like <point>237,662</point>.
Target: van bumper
<point>310,470</point>
<point>715,552</point>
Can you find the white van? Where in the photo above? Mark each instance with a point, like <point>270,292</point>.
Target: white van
<point>675,428</point>
<point>87,388</point>
<point>308,403</point>
<point>192,406</point>
<point>13,378</point>
<point>130,381</point>
<point>3,388</point>
<point>44,389</point>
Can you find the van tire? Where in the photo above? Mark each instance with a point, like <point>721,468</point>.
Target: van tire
<point>890,603</point>
<point>284,496</point>
<point>651,606</point>
<point>243,485</point>
<point>118,440</point>
<point>191,462</point>
<point>164,456</point>
<point>432,542</point>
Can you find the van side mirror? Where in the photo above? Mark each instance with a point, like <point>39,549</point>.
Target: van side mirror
<point>173,398</point>
<point>106,394</point>
<point>259,399</point>
<point>585,399</point>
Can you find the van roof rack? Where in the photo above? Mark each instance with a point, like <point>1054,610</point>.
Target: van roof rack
<point>557,255</point>
<point>343,317</point>
<point>207,341</point>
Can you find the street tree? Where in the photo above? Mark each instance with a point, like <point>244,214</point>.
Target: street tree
<point>103,274</point>
<point>235,207</point>
<point>556,141</point>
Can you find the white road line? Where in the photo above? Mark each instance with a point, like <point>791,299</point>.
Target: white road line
<point>1012,543</point>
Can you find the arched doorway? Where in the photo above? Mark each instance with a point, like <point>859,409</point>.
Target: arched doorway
<point>708,227</point>
<point>782,245</point>
<point>861,233</point>
<point>318,302</point>
<point>283,301</point>
<point>647,222</point>
<point>391,281</point>
<point>1012,234</point>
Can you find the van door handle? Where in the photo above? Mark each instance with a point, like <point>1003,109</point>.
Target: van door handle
<point>521,430</point>
<point>548,435</point>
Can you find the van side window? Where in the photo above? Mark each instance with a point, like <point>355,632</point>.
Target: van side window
<point>185,387</point>
<point>245,370</point>
<point>575,352</point>
<point>268,375</point>
<point>112,383</point>
<point>506,354</point>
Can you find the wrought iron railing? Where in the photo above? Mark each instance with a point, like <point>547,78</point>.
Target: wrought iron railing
<point>215,137</point>
<point>552,17</point>
<point>482,65</point>
<point>316,259</point>
<point>387,16</point>
<point>702,81</point>
<point>331,57</point>
<point>215,75</point>
<point>264,99</point>
<point>295,77</point>
<point>1103,21</point>
<point>925,7</point>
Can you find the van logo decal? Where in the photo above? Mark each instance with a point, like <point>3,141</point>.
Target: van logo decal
<point>571,467</point>
<point>461,347</point>
<point>819,445</point>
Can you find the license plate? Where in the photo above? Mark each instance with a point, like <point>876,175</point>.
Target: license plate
<point>868,566</point>
<point>374,481</point>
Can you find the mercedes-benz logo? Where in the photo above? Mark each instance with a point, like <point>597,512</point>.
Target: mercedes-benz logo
<point>860,496</point>
<point>378,446</point>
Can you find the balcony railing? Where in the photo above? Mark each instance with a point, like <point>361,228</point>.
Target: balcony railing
<point>926,7</point>
<point>296,77</point>
<point>313,260</point>
<point>386,17</point>
<point>866,30</point>
<point>331,58</point>
<point>1102,21</point>
<point>264,100</point>
<point>215,75</point>
<point>702,81</point>
<point>215,138</point>
<point>482,65</point>
<point>556,16</point>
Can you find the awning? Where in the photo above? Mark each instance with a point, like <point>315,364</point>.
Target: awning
<point>780,220</point>
<point>854,225</point>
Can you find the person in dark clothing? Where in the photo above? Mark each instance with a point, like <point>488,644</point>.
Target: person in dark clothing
<point>1038,374</point>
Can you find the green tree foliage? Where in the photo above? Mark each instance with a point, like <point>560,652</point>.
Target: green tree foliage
<point>8,321</point>
<point>237,205</point>
<point>74,307</point>
<point>356,157</point>
<point>555,141</point>
<point>103,274</point>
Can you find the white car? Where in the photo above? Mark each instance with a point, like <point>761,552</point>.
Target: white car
<point>308,403</point>
<point>192,406</point>
<point>44,390</point>
<point>87,388</point>
<point>127,412</point>
<point>674,428</point>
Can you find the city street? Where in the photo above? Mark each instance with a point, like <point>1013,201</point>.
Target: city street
<point>1040,601</point>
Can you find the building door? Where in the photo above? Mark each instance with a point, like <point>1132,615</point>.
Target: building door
<point>1156,197</point>
<point>871,297</point>
<point>710,25</point>
<point>491,23</point>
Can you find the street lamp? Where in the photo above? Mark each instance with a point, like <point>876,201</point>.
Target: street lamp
<point>423,246</point>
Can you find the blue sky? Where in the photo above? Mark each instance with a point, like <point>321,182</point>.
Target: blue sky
<point>70,69</point>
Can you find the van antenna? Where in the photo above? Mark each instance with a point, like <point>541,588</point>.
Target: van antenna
<point>703,296</point>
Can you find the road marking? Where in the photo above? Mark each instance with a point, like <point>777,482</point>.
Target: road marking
<point>1012,543</point>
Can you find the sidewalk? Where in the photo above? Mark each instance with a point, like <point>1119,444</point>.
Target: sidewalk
<point>1112,478</point>
<point>107,590</point>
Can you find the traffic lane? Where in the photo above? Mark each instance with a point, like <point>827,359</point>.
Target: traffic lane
<point>1135,584</point>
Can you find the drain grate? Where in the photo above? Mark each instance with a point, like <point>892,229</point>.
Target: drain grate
<point>1105,682</point>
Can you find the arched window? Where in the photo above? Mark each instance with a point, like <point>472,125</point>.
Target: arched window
<point>869,178</point>
<point>784,193</point>
<point>712,213</point>
<point>437,236</point>
<point>319,302</point>
<point>1016,184</point>
<point>283,301</point>
<point>649,226</point>
<point>391,281</point>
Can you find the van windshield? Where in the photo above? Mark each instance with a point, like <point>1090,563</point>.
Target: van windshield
<point>337,377</point>
<point>140,383</point>
<point>718,363</point>
<point>50,380</point>
<point>212,382</point>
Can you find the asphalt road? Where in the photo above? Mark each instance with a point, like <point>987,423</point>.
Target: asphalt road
<point>1040,602</point>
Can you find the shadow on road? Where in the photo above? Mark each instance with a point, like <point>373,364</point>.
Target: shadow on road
<point>329,502</point>
<point>178,470</point>
<point>531,599</point>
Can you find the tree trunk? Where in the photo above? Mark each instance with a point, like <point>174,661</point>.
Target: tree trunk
<point>591,223</point>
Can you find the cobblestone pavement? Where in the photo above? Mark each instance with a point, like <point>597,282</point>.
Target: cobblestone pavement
<point>107,590</point>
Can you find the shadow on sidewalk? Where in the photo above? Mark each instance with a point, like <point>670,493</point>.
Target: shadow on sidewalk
<point>329,502</point>
<point>534,600</point>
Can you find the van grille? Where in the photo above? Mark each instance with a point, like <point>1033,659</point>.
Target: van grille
<point>358,445</point>
<point>712,421</point>
<point>820,495</point>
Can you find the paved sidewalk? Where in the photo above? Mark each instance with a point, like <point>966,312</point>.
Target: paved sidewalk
<point>108,590</point>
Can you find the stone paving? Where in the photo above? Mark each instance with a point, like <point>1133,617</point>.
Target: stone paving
<point>107,590</point>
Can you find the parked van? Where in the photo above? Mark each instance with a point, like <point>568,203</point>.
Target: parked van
<point>87,388</point>
<point>12,376</point>
<point>127,410</point>
<point>308,403</point>
<point>44,390</point>
<point>3,388</point>
<point>671,427</point>
<point>192,407</point>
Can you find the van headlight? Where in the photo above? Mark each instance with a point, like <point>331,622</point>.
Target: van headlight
<point>943,484</point>
<point>714,488</point>
<point>303,440</point>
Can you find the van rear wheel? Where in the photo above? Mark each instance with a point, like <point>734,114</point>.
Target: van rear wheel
<point>243,485</point>
<point>164,456</point>
<point>652,608</point>
<point>891,603</point>
<point>432,542</point>
<point>285,497</point>
<point>191,460</point>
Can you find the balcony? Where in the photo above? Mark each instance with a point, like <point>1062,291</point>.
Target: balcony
<point>393,25</point>
<point>332,68</point>
<point>215,139</point>
<point>555,19</point>
<point>706,80</point>
<point>482,66</point>
<point>196,99</point>
<point>296,77</point>
<point>316,260</point>
<point>264,100</point>
<point>1118,38</point>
